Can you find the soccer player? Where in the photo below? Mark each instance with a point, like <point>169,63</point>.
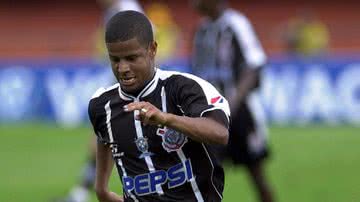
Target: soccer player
<point>228,54</point>
<point>156,126</point>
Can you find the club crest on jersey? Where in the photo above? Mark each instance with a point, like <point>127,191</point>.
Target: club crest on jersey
<point>172,140</point>
<point>143,146</point>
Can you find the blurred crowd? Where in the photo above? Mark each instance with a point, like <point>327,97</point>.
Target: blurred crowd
<point>321,28</point>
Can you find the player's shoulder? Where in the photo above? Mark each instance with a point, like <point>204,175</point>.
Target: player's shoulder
<point>101,96</point>
<point>103,90</point>
<point>234,14</point>
<point>234,18</point>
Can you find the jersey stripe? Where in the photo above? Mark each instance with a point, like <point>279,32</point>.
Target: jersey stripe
<point>148,160</point>
<point>108,121</point>
<point>212,109</point>
<point>163,100</point>
<point>212,171</point>
<point>253,52</point>
<point>181,154</point>
<point>120,163</point>
<point>149,88</point>
<point>102,90</point>
<point>111,138</point>
<point>259,117</point>
<point>193,183</point>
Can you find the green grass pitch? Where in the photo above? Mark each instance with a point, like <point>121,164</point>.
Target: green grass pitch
<point>308,164</point>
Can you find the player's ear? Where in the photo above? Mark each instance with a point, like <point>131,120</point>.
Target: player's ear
<point>153,48</point>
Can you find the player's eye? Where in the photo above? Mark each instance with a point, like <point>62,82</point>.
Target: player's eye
<point>114,59</point>
<point>131,58</point>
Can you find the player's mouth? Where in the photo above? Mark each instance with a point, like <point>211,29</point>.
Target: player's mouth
<point>128,81</point>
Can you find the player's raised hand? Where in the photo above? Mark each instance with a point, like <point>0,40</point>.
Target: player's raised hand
<point>148,113</point>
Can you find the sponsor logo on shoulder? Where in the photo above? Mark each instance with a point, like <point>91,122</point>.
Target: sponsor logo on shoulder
<point>217,99</point>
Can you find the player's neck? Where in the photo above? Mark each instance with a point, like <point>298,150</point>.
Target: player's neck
<point>217,12</point>
<point>137,92</point>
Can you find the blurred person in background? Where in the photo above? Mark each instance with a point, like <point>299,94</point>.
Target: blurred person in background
<point>227,53</point>
<point>81,191</point>
<point>306,35</point>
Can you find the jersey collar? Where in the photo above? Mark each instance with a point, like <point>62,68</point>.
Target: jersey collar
<point>149,88</point>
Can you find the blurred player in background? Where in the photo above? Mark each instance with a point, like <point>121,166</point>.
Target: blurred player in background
<point>227,53</point>
<point>81,191</point>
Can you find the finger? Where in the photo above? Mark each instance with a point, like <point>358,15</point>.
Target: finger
<point>143,110</point>
<point>147,117</point>
<point>143,115</point>
<point>134,106</point>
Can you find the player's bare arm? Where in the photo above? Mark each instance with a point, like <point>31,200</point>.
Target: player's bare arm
<point>202,129</point>
<point>104,165</point>
<point>247,82</point>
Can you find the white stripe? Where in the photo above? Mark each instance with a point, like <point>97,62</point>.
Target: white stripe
<point>120,163</point>
<point>102,90</point>
<point>246,36</point>
<point>111,138</point>
<point>193,183</point>
<point>212,109</point>
<point>181,109</point>
<point>212,171</point>
<point>148,160</point>
<point>257,110</point>
<point>163,99</point>
<point>108,121</point>
<point>181,154</point>
<point>149,88</point>
<point>125,96</point>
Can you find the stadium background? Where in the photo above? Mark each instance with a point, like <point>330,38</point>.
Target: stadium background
<point>48,71</point>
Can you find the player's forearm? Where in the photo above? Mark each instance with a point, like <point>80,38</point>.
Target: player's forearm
<point>247,83</point>
<point>200,129</point>
<point>104,165</point>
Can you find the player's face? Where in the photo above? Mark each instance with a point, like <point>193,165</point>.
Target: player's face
<point>132,63</point>
<point>105,3</point>
<point>203,6</point>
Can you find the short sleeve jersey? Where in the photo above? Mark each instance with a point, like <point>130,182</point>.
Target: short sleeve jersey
<point>223,48</point>
<point>157,163</point>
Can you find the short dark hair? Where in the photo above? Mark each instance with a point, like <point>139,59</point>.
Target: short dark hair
<point>126,25</point>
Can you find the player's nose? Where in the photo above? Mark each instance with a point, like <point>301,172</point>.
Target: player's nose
<point>122,66</point>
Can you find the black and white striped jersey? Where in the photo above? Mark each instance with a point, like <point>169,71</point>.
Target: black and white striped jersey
<point>222,48</point>
<point>161,164</point>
